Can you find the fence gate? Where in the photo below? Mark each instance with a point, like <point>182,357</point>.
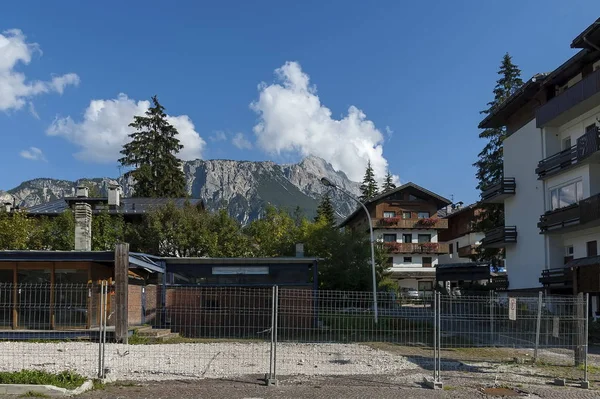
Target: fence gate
<point>500,337</point>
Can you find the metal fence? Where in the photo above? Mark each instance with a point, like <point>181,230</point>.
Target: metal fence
<point>226,332</point>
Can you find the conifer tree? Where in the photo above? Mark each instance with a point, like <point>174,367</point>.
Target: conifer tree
<point>325,211</point>
<point>368,188</point>
<point>152,152</point>
<point>388,183</point>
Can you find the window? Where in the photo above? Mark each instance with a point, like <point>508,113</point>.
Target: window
<point>425,285</point>
<point>407,238</point>
<point>566,195</point>
<point>423,215</point>
<point>566,143</point>
<point>424,238</point>
<point>408,259</point>
<point>427,261</point>
<point>389,238</point>
<point>406,215</point>
<point>592,248</point>
<point>412,198</point>
<point>451,248</point>
<point>456,246</point>
<point>569,250</point>
<point>389,214</point>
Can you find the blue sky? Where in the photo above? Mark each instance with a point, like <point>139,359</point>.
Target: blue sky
<point>404,81</point>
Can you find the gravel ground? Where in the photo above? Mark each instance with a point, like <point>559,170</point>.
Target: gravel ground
<point>205,360</point>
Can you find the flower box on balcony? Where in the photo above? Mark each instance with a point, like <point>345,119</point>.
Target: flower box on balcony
<point>389,221</point>
<point>427,222</point>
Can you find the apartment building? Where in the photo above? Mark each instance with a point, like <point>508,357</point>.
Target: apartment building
<point>405,219</point>
<point>551,184</point>
<point>461,237</point>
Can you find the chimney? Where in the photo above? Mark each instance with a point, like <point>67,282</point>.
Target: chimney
<point>82,192</point>
<point>114,196</point>
<point>299,250</point>
<point>83,225</point>
<point>7,207</point>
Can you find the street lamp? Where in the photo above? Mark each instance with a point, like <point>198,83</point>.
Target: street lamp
<point>328,183</point>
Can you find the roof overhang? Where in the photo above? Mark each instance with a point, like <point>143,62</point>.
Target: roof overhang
<point>240,261</point>
<point>589,38</point>
<point>57,256</point>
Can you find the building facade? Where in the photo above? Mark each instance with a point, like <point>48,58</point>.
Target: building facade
<point>460,236</point>
<point>405,219</point>
<point>551,184</point>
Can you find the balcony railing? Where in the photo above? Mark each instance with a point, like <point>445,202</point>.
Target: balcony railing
<point>560,218</point>
<point>573,96</point>
<point>586,145</point>
<point>561,276</point>
<point>575,215</point>
<point>499,237</point>
<point>417,248</point>
<point>499,191</point>
<point>399,223</point>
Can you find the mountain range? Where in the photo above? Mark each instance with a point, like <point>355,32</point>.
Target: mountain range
<point>244,188</point>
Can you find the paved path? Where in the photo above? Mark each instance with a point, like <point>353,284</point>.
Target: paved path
<point>349,387</point>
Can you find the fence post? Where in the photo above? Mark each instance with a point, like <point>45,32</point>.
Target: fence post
<point>100,368</point>
<point>272,377</point>
<point>581,331</point>
<point>585,383</point>
<point>492,332</point>
<point>121,294</point>
<point>538,326</point>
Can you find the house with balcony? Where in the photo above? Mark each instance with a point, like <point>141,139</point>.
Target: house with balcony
<point>461,236</point>
<point>551,184</point>
<point>406,220</point>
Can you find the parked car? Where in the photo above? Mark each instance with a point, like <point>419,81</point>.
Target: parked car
<point>409,293</point>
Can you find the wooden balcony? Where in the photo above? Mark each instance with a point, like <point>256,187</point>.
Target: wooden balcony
<point>417,248</point>
<point>500,237</point>
<point>562,277</point>
<point>467,251</point>
<point>576,100</point>
<point>497,193</point>
<point>399,223</point>
<point>587,145</point>
<point>584,214</point>
<point>559,219</point>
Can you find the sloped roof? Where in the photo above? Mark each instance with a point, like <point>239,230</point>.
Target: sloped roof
<point>129,206</point>
<point>441,200</point>
<point>590,34</point>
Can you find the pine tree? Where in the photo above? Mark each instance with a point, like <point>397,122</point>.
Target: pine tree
<point>325,211</point>
<point>490,163</point>
<point>388,183</point>
<point>152,151</point>
<point>368,188</point>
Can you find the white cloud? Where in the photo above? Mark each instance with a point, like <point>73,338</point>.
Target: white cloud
<point>218,136</point>
<point>15,89</point>
<point>33,153</point>
<point>241,142</point>
<point>292,119</point>
<point>105,128</point>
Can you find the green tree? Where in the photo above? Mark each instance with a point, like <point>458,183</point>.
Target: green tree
<point>93,189</point>
<point>230,241</point>
<point>325,211</point>
<point>388,183</point>
<point>275,234</point>
<point>173,231</point>
<point>107,231</point>
<point>15,231</point>
<point>59,232</point>
<point>490,163</point>
<point>368,188</point>
<point>153,151</point>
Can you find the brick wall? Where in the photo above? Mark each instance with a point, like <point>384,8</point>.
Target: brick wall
<point>152,304</point>
<point>134,306</point>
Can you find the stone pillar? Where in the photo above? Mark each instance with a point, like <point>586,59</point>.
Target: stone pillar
<point>83,226</point>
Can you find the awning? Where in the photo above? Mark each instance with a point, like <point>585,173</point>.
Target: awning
<point>142,261</point>
<point>589,261</point>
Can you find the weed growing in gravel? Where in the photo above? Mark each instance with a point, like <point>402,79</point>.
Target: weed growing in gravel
<point>33,394</point>
<point>64,379</point>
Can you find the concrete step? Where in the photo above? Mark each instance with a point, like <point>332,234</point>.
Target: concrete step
<point>143,329</point>
<point>166,337</point>
<point>154,333</point>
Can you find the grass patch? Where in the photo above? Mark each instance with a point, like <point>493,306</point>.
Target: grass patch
<point>64,379</point>
<point>98,385</point>
<point>34,394</point>
<point>136,339</point>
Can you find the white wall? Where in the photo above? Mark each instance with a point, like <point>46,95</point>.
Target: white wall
<point>416,263</point>
<point>462,241</point>
<point>579,241</point>
<point>525,260</point>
